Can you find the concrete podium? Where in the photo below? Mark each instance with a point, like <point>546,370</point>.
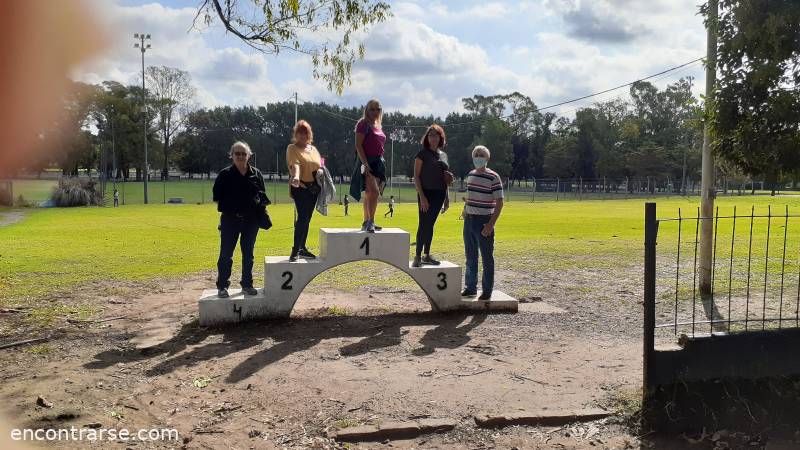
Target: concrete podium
<point>285,280</point>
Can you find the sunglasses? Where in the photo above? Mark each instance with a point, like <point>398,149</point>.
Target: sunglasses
<point>375,109</point>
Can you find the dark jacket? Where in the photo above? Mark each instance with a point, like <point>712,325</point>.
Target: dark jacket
<point>240,194</point>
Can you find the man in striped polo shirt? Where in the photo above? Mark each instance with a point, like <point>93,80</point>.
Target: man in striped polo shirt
<point>483,204</point>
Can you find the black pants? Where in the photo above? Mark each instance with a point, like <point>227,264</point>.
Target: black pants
<point>233,229</point>
<point>305,202</point>
<point>428,219</point>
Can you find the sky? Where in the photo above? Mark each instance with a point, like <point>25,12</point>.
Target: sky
<point>425,58</point>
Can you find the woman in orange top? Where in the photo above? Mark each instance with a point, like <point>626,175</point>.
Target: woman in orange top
<point>304,161</point>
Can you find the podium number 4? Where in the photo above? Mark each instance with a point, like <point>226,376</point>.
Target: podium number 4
<point>365,246</point>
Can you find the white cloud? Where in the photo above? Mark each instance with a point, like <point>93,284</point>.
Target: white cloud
<point>429,55</point>
<point>226,75</point>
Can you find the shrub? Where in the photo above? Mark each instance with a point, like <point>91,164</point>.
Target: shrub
<point>76,192</point>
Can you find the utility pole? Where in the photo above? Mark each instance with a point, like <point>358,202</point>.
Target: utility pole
<point>295,107</point>
<point>143,47</point>
<point>391,165</point>
<point>707,182</point>
<point>113,150</point>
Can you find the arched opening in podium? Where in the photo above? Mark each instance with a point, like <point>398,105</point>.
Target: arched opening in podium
<point>361,287</point>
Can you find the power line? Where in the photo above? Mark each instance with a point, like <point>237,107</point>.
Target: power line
<point>470,122</point>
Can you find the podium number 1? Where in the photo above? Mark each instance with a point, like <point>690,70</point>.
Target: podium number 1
<point>365,246</point>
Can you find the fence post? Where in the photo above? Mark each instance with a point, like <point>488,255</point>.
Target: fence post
<point>650,237</point>
<point>558,186</point>
<point>533,191</point>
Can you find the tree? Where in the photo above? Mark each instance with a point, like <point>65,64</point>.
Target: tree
<point>276,25</point>
<point>755,117</point>
<point>171,92</point>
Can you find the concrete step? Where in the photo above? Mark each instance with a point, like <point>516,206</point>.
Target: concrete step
<point>500,301</point>
<point>340,245</point>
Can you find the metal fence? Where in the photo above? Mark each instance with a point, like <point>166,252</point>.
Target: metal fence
<point>755,273</point>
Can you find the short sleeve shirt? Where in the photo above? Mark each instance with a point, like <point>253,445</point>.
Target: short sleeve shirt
<point>374,139</point>
<point>483,190</point>
<point>432,171</point>
<point>309,161</point>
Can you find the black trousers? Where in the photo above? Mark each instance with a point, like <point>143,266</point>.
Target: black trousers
<point>233,229</point>
<point>428,219</point>
<point>304,202</point>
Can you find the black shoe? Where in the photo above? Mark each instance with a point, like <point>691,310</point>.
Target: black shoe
<point>249,291</point>
<point>428,260</point>
<point>417,262</point>
<point>304,253</point>
<point>371,227</point>
<point>222,293</point>
<point>485,296</point>
<point>293,256</point>
<point>466,293</point>
<point>377,228</point>
<point>364,225</point>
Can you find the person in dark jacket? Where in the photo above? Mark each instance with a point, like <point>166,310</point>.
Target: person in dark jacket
<point>240,195</point>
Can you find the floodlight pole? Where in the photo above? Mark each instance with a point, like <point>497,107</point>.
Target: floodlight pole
<point>144,47</point>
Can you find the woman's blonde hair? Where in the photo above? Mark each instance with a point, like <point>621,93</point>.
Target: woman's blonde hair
<point>303,125</point>
<point>374,103</point>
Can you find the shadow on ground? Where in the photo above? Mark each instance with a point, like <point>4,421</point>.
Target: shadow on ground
<point>290,336</point>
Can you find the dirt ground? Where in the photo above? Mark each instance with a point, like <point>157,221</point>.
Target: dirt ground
<point>343,359</point>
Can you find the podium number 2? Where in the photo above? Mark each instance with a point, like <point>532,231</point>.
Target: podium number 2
<point>365,246</point>
<point>286,286</point>
<point>442,281</point>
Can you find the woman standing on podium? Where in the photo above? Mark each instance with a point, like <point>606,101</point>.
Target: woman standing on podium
<point>304,161</point>
<point>431,178</point>
<point>370,175</point>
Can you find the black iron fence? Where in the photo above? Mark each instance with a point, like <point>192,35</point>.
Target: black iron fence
<point>754,272</point>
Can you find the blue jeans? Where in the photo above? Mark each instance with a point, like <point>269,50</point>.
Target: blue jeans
<point>474,241</point>
<point>233,229</point>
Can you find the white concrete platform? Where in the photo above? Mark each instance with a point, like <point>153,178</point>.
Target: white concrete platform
<point>500,301</point>
<point>285,280</point>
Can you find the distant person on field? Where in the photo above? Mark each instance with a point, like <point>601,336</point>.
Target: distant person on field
<point>431,178</point>
<point>346,204</point>
<point>116,198</point>
<point>239,191</point>
<point>304,162</point>
<point>390,212</point>
<point>482,207</point>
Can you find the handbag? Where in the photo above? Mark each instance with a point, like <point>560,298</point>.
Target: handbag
<point>264,221</point>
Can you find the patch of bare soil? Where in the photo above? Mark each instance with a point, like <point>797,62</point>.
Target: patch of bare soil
<point>11,217</point>
<point>342,360</point>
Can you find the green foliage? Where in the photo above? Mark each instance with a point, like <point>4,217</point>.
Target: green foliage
<point>277,25</point>
<point>755,113</point>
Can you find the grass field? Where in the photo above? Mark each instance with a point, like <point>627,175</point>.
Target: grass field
<point>199,191</point>
<point>54,250</point>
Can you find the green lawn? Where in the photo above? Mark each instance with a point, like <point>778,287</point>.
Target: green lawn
<point>199,191</point>
<point>54,250</point>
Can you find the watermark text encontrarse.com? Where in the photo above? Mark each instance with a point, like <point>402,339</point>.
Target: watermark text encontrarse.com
<point>93,434</point>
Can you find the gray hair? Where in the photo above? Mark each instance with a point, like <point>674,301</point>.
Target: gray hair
<point>241,144</point>
<point>481,149</point>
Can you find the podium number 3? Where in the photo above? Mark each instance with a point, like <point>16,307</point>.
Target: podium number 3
<point>286,286</point>
<point>442,281</point>
<point>365,246</point>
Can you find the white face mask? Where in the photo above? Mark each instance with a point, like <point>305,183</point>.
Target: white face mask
<point>479,162</point>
